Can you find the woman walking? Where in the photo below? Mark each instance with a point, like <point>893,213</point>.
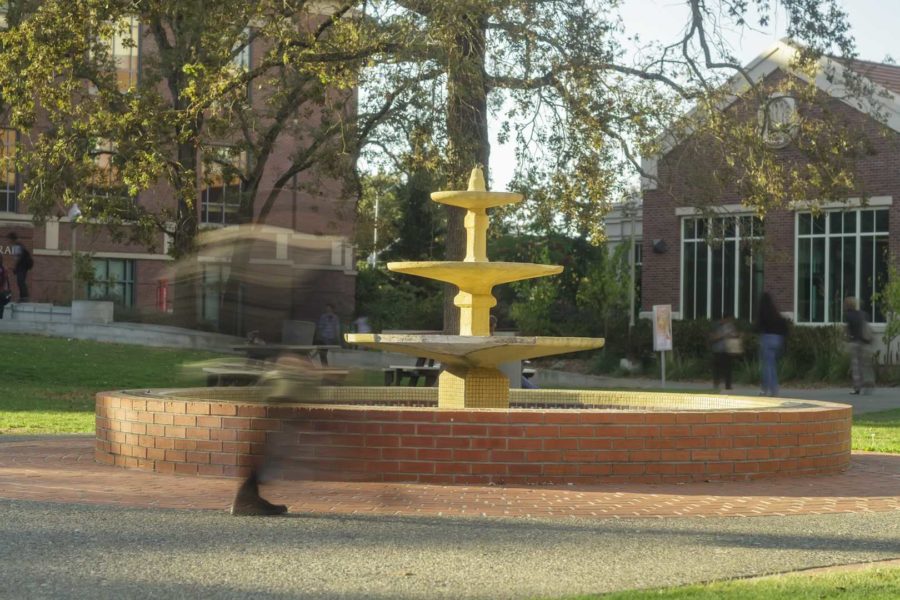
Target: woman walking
<point>773,329</point>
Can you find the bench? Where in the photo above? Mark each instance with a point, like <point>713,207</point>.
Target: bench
<point>232,376</point>
<point>397,374</point>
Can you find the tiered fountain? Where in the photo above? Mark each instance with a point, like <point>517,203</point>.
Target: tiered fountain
<point>473,429</point>
<point>470,378</point>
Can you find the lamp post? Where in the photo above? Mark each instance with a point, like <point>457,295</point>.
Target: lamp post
<point>74,213</point>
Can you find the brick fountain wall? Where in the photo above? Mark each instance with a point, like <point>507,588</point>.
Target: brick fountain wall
<point>427,445</point>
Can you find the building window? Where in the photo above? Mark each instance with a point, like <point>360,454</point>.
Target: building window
<point>840,254</point>
<point>9,183</point>
<point>214,278</point>
<point>221,185</point>
<point>113,280</point>
<point>722,270</point>
<point>638,250</point>
<point>124,48</point>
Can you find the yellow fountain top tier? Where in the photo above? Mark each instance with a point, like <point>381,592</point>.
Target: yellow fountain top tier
<point>475,275</point>
<point>476,198</point>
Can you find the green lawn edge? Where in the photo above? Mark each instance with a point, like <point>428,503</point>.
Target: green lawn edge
<point>876,583</point>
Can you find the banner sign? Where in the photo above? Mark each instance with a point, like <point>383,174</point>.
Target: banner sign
<point>662,327</point>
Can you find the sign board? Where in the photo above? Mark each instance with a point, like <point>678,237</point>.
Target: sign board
<point>662,327</point>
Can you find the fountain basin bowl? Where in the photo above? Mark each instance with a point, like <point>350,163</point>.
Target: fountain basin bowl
<point>546,437</point>
<point>473,351</point>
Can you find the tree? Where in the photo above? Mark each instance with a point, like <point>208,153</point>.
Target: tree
<point>553,74</point>
<point>199,108</point>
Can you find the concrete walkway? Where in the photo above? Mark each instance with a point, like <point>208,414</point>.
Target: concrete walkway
<point>75,529</point>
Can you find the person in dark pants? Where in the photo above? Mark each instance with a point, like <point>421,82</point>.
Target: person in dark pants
<point>859,336</point>
<point>23,264</point>
<point>773,330</point>
<point>291,380</point>
<point>328,332</point>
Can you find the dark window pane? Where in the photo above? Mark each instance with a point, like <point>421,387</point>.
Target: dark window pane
<point>868,221</point>
<point>818,224</point>
<point>882,258</point>
<point>689,280</point>
<point>805,223</point>
<point>717,282</point>
<point>817,267</point>
<point>850,222</point>
<point>835,287</point>
<point>881,221</point>
<point>836,222</point>
<point>866,273</point>
<point>702,280</point>
<point>804,276</point>
<point>729,279</point>
<point>689,229</point>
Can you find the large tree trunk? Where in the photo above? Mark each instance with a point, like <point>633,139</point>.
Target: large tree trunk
<point>467,132</point>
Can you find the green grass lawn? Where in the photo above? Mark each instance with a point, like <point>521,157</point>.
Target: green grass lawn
<point>48,384</point>
<point>870,584</point>
<point>877,432</point>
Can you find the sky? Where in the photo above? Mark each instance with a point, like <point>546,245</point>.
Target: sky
<point>875,25</point>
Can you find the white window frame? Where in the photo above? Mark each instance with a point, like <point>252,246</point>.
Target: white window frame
<point>827,236</point>
<point>738,238</point>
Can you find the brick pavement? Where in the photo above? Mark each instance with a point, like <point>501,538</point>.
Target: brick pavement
<point>62,469</point>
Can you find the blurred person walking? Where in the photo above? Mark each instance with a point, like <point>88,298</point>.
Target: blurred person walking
<point>725,343</point>
<point>773,330</point>
<point>290,380</point>
<point>859,339</point>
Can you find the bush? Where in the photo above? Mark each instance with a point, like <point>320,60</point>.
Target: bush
<point>393,301</point>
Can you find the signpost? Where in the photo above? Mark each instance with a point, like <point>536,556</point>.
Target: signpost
<point>662,333</point>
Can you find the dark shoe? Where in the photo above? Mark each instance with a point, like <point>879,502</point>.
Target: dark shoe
<point>258,507</point>
<point>248,502</point>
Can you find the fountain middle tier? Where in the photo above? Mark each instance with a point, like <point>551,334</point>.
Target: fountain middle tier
<point>474,277</point>
<point>466,351</point>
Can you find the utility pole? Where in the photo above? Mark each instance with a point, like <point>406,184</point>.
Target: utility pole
<point>375,232</point>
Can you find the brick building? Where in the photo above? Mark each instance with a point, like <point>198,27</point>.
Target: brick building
<point>808,262</point>
<point>306,254</point>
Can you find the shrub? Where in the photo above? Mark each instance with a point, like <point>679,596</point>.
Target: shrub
<point>393,301</point>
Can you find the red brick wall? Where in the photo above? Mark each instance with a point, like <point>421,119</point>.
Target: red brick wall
<point>876,173</point>
<point>426,445</point>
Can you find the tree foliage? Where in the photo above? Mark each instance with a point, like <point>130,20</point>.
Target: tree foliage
<point>197,105</point>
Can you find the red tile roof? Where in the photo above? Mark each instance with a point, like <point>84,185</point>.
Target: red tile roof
<point>885,75</point>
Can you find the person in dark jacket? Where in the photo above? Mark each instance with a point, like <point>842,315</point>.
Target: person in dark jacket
<point>23,264</point>
<point>859,337</point>
<point>773,330</point>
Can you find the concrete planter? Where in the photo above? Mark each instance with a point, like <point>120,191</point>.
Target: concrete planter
<point>92,311</point>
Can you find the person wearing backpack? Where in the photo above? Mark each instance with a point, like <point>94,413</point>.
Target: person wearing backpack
<point>859,338</point>
<point>23,264</point>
